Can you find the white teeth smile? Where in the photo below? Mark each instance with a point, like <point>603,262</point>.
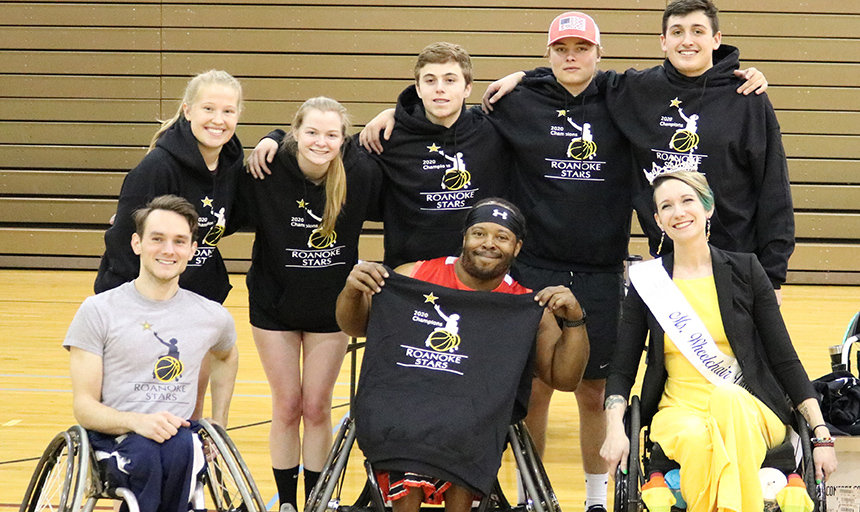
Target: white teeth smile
<point>682,225</point>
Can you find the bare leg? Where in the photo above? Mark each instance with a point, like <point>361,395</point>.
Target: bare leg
<point>280,352</point>
<point>322,358</point>
<point>592,431</point>
<point>409,503</point>
<point>538,416</point>
<point>592,424</point>
<point>458,499</point>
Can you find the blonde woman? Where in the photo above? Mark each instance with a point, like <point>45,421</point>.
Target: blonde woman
<point>308,216</point>
<point>721,371</point>
<point>195,155</point>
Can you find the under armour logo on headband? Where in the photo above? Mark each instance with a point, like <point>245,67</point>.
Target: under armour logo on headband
<point>497,214</point>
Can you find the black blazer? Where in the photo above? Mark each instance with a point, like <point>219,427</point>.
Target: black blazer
<point>753,325</point>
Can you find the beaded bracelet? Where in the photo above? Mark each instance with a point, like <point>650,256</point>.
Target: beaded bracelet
<point>818,442</point>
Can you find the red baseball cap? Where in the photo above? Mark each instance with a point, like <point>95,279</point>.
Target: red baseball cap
<point>574,24</point>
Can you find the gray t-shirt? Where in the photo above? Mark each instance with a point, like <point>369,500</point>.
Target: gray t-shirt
<point>151,350</point>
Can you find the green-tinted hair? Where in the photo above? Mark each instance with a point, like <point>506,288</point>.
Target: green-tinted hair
<point>695,180</point>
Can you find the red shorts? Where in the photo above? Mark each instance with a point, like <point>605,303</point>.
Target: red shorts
<point>395,485</point>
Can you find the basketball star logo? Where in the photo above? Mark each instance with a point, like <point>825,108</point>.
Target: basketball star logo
<point>216,231</point>
<point>447,338</point>
<point>686,139</point>
<point>582,147</point>
<point>317,239</point>
<point>168,367</point>
<point>456,176</point>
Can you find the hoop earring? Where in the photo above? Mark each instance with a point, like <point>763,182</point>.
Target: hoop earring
<point>662,237</point>
<point>708,230</point>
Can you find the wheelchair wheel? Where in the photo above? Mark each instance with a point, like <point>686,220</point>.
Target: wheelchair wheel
<point>230,484</point>
<point>532,470</point>
<point>634,473</point>
<point>628,493</point>
<point>320,498</point>
<point>62,474</point>
<point>806,468</point>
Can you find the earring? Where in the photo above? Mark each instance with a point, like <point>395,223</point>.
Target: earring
<point>662,237</point>
<point>708,230</point>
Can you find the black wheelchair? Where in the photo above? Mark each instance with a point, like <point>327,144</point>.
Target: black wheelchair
<point>68,477</point>
<point>326,495</point>
<point>628,488</point>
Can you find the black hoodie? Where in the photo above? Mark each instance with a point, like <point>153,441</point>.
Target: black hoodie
<point>295,275</point>
<point>574,177</point>
<point>432,176</point>
<point>701,123</point>
<point>176,167</point>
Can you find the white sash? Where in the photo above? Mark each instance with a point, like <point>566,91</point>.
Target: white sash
<point>682,324</point>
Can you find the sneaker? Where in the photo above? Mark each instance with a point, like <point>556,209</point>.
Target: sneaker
<point>287,507</point>
<point>596,508</point>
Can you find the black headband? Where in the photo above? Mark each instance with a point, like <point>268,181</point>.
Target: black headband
<point>497,214</point>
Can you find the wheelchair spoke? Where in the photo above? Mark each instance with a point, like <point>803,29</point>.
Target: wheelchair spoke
<point>231,487</point>
<point>53,487</point>
<point>223,488</point>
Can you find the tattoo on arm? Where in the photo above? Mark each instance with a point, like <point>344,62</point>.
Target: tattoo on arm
<point>804,411</point>
<point>613,400</point>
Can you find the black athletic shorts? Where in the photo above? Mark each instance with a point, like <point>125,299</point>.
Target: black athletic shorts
<point>279,318</point>
<point>600,294</point>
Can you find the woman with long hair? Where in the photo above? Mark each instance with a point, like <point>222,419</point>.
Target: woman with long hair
<point>308,214</point>
<point>721,370</point>
<point>195,155</point>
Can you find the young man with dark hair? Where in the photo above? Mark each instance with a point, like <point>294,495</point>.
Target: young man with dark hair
<point>685,115</point>
<point>135,355</point>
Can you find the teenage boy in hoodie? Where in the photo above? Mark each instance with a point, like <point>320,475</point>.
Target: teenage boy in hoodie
<point>685,115</point>
<point>439,162</point>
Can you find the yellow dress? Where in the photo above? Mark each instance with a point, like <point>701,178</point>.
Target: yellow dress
<point>719,435</point>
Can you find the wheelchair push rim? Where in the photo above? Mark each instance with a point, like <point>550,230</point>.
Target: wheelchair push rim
<point>61,475</point>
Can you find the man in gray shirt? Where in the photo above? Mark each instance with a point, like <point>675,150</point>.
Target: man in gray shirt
<point>135,356</point>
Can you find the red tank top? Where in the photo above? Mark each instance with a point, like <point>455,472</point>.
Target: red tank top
<point>441,271</point>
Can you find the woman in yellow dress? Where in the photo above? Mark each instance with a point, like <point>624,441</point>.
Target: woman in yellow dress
<point>721,367</point>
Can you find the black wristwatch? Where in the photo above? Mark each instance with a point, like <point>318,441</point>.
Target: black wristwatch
<point>576,323</point>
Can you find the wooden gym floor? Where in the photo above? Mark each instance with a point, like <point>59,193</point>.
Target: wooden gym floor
<point>35,392</point>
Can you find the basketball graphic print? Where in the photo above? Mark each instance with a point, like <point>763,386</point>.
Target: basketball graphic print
<point>441,340</point>
<point>456,179</point>
<point>217,230</point>
<point>447,338</point>
<point>319,240</point>
<point>214,235</point>
<point>168,368</point>
<point>684,141</point>
<point>581,149</point>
